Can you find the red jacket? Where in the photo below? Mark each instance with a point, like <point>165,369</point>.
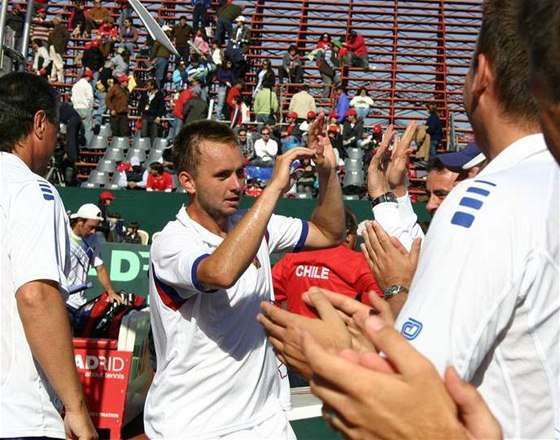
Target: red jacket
<point>338,269</point>
<point>160,183</point>
<point>182,99</point>
<point>233,93</point>
<point>358,46</point>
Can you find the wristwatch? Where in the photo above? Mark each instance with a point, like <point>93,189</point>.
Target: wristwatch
<point>393,290</point>
<point>387,197</point>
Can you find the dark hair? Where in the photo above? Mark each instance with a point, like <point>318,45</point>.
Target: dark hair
<point>22,95</point>
<point>539,26</point>
<point>499,40</point>
<point>152,82</point>
<point>350,220</point>
<point>292,47</point>
<point>186,147</point>
<point>133,225</point>
<point>157,167</point>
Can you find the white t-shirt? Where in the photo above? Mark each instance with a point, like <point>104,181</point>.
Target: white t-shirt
<point>35,246</point>
<point>216,371</point>
<point>82,95</point>
<point>85,252</point>
<point>485,297</point>
<point>266,151</point>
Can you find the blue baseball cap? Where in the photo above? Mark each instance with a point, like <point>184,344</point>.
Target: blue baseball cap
<point>469,157</point>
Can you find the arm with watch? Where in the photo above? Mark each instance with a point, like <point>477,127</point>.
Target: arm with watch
<point>392,243</point>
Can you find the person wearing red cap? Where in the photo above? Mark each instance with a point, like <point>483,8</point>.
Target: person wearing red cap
<point>302,103</point>
<point>117,103</point>
<point>352,130</point>
<point>82,101</point>
<point>105,200</point>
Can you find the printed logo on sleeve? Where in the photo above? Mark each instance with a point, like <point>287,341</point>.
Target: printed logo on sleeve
<point>472,202</point>
<point>411,329</point>
<point>46,190</point>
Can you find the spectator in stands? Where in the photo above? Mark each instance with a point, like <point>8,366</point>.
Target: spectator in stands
<point>302,103</point>
<point>108,35</point>
<point>82,101</point>
<point>266,106</point>
<point>41,27</point>
<point>200,13</point>
<point>322,45</point>
<point>132,236</point>
<point>103,230</point>
<point>434,129</point>
<point>329,67</point>
<point>246,144</point>
<point>291,67</point>
<point>265,78</point>
<point>233,95</point>
<point>180,76</point>
<point>352,130</point>
<point>117,103</point>
<point>77,19</point>
<point>182,33</point>
<point>217,55</point>
<point>196,108</point>
<point>336,140</point>
<point>74,127</point>
<point>93,58</point>
<point>362,103</point>
<point>342,103</point>
<point>120,62</point>
<point>291,124</point>
<point>177,112</point>
<point>128,36</point>
<point>200,45</point>
<point>152,109</point>
<point>125,11</point>
<point>200,72</point>
<point>85,251</point>
<point>159,179</point>
<point>132,175</point>
<point>41,60</point>
<point>160,60</point>
<point>96,16</point>
<point>307,181</point>
<point>225,77</point>
<point>226,13</point>
<point>266,149</point>
<point>58,40</point>
<point>15,20</point>
<point>241,35</point>
<point>357,51</point>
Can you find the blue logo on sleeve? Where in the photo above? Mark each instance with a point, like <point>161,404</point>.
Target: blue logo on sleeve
<point>411,329</point>
<point>46,190</point>
<point>465,219</point>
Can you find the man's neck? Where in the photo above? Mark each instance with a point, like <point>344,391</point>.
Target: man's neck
<point>217,226</point>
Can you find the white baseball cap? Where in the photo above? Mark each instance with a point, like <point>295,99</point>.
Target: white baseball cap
<point>240,18</point>
<point>89,211</point>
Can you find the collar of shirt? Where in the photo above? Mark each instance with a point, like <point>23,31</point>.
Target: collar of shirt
<point>205,234</point>
<point>515,153</point>
<point>11,158</point>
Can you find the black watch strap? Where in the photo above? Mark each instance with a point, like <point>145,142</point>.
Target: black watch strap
<point>387,197</point>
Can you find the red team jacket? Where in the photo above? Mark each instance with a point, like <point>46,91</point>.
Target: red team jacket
<point>338,269</point>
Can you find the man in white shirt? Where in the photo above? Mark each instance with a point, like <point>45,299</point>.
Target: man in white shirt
<point>82,101</point>
<point>39,386</point>
<point>302,103</point>
<point>216,372</point>
<point>266,149</point>
<point>85,250</point>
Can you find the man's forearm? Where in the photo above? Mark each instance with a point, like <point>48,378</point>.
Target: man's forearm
<point>231,258</point>
<point>103,277</point>
<point>47,329</point>
<point>328,216</point>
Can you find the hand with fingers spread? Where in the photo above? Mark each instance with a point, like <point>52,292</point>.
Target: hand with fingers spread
<point>369,396</point>
<point>284,331</point>
<point>389,261</point>
<point>280,180</point>
<point>319,142</point>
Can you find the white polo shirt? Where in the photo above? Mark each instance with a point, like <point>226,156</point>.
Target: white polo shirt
<point>34,246</point>
<point>485,297</point>
<point>216,371</point>
<point>84,253</point>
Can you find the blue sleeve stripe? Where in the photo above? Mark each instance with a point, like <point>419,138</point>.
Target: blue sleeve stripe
<point>48,197</point>
<point>479,191</point>
<point>462,219</point>
<point>194,276</point>
<point>168,294</point>
<point>471,203</point>
<point>303,237</point>
<point>485,182</point>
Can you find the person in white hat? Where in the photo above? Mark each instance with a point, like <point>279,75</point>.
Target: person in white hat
<point>241,35</point>
<point>85,251</point>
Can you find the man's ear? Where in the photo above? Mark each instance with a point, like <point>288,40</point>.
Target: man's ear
<point>482,76</point>
<point>186,180</point>
<point>39,124</point>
